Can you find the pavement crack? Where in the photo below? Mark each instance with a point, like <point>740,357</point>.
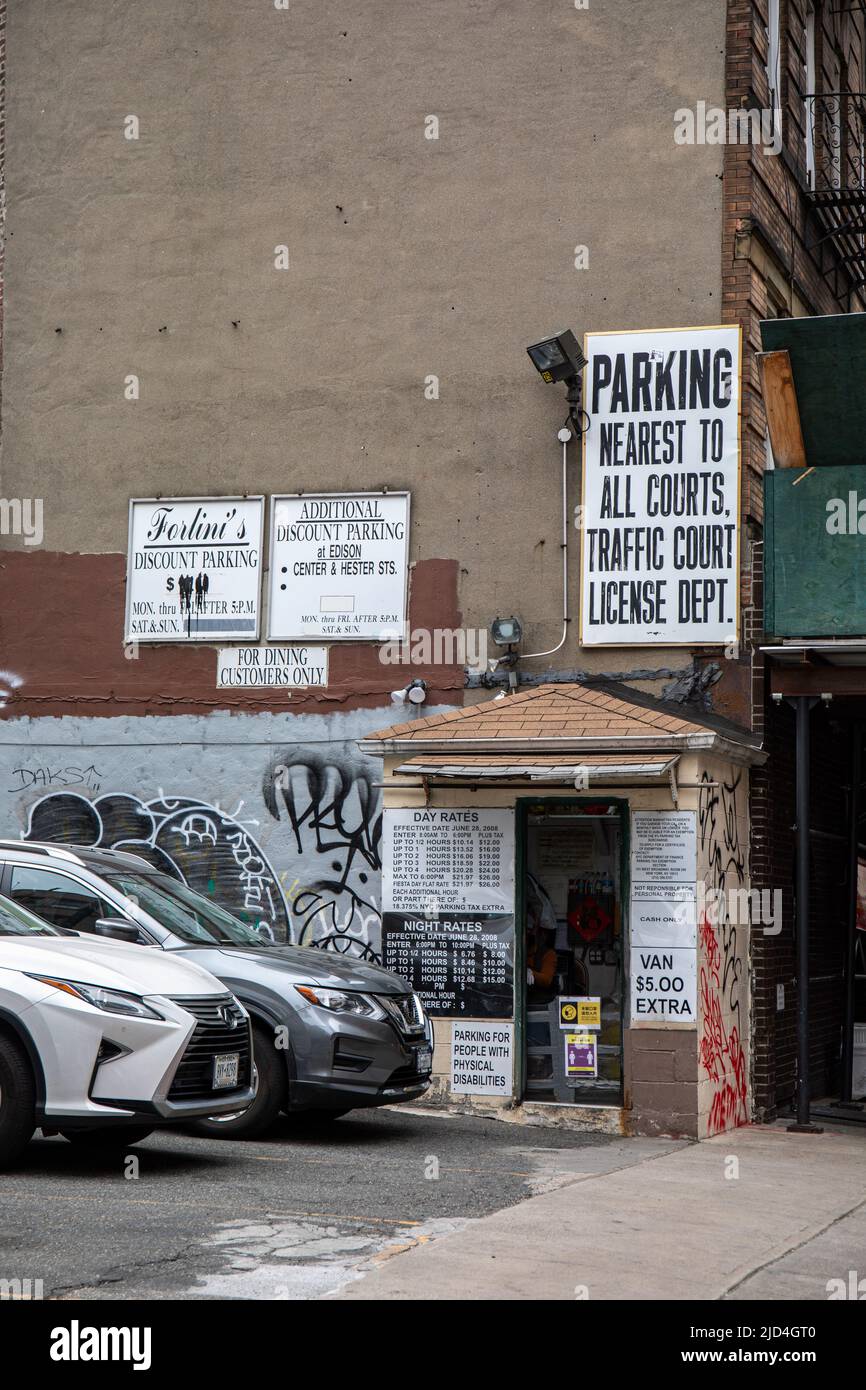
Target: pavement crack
<point>105,1280</point>
<point>791,1249</point>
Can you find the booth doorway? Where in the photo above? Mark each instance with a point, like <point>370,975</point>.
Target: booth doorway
<point>572,934</point>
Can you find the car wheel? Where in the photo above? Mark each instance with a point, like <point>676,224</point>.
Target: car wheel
<point>17,1101</point>
<point>271,1095</point>
<point>107,1137</point>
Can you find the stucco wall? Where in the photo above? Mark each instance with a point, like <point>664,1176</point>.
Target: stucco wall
<point>408,257</point>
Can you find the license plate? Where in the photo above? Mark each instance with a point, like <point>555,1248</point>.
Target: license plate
<point>225,1070</point>
<point>423,1059</point>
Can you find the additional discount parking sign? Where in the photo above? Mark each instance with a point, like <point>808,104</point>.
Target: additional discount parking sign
<point>338,567</point>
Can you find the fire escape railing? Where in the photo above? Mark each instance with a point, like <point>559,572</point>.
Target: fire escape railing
<point>836,176</point>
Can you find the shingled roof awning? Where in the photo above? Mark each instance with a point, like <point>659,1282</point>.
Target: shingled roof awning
<point>599,769</point>
<point>547,729</point>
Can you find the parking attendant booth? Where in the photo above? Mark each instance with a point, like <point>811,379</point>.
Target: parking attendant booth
<point>565,883</point>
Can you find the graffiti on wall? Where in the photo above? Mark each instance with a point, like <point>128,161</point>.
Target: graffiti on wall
<point>211,850</point>
<point>321,818</point>
<point>721,1050</point>
<point>277,817</point>
<point>334,811</point>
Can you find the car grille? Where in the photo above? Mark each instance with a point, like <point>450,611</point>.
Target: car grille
<point>193,1079</point>
<point>406,1011</point>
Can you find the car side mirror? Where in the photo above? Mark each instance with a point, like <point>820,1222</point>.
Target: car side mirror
<point>117,928</point>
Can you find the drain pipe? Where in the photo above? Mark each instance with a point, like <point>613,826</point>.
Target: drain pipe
<point>847,1096</point>
<point>564,438</point>
<point>803,1123</point>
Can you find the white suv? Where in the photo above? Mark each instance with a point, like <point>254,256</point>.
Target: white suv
<point>101,1041</point>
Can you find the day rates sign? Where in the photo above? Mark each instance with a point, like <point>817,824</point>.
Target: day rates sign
<point>660,529</point>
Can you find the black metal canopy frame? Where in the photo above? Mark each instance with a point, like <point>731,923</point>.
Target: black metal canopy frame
<point>836,122</point>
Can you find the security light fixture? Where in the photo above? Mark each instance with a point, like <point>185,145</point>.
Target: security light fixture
<point>558,358</point>
<point>415,693</point>
<point>506,632</point>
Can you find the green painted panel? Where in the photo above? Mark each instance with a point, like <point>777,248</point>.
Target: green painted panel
<point>828,361</point>
<point>814,553</point>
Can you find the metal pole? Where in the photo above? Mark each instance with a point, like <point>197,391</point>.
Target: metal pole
<point>847,1078</point>
<point>803,705</point>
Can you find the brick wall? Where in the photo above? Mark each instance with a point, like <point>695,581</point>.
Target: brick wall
<point>777,260</point>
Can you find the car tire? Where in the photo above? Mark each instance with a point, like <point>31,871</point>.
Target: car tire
<point>107,1137</point>
<point>17,1101</point>
<point>271,1095</point>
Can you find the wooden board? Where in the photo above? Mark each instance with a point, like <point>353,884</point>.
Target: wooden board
<point>828,366</point>
<point>783,414</point>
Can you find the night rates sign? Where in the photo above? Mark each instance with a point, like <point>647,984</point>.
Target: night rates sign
<point>660,533</point>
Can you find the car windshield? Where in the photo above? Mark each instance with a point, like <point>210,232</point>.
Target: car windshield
<point>17,921</point>
<point>182,911</point>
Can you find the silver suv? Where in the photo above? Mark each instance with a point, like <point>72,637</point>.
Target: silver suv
<point>330,1033</point>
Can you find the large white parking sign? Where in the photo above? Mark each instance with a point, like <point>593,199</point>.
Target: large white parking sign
<point>660,534</point>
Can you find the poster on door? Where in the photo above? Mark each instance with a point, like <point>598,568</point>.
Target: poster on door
<point>661,470</point>
<point>193,569</point>
<point>339,566</point>
<point>581,1056</point>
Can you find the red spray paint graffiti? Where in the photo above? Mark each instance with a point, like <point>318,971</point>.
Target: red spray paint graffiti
<point>721,1051</point>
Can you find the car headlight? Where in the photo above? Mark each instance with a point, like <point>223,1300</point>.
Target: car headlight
<point>110,1001</point>
<point>341,1002</point>
<point>408,1013</point>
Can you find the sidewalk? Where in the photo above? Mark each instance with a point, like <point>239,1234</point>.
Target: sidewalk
<point>671,1225</point>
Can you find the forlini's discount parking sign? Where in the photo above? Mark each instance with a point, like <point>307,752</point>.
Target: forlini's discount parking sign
<point>660,497</point>
<point>194,568</point>
<point>339,566</point>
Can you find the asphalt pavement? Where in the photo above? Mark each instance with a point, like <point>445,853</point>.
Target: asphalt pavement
<point>299,1215</point>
